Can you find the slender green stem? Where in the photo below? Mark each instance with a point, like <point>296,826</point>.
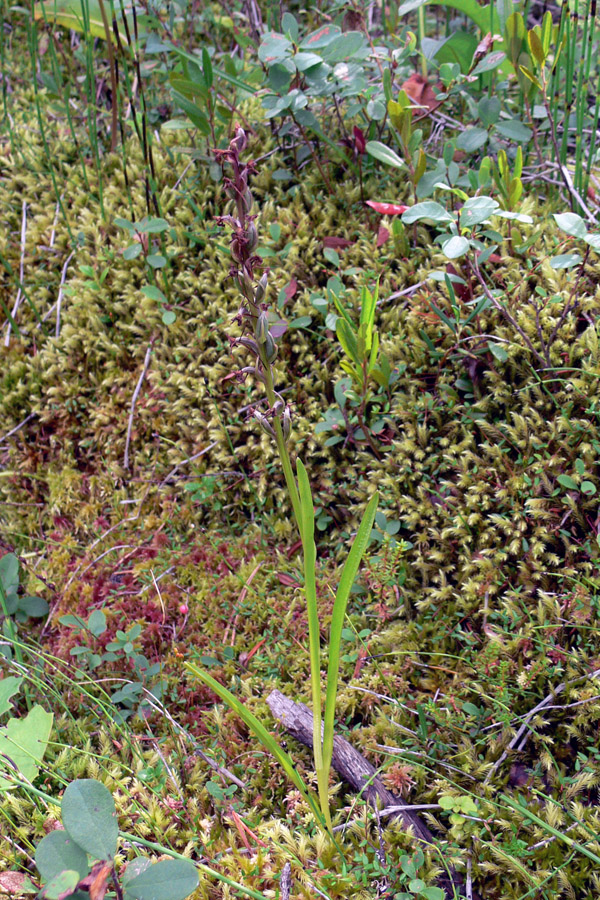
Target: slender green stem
<point>282,448</point>
<point>575,845</point>
<point>304,515</point>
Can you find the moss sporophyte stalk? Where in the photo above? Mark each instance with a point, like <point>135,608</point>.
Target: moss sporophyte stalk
<point>257,337</point>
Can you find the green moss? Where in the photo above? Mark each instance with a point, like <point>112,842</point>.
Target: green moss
<point>498,599</point>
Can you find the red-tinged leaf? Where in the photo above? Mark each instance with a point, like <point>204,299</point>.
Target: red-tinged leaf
<point>287,580</point>
<point>97,881</point>
<point>387,209</point>
<point>337,243</point>
<point>255,649</point>
<point>291,289</point>
<point>14,883</point>
<point>294,549</point>
<point>278,329</point>
<point>484,46</point>
<point>382,235</point>
<point>420,91</point>
<point>462,291</point>
<point>359,140</point>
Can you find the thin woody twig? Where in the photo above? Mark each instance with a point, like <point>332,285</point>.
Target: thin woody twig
<point>63,276</point>
<point>54,224</point>
<point>21,270</point>
<point>18,427</point>
<point>542,705</point>
<point>509,318</point>
<point>136,393</point>
<point>406,292</point>
<point>184,462</point>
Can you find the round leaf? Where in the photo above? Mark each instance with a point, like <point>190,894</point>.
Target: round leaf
<point>433,893</point>
<point>471,139</point>
<point>501,355</point>
<point>169,879</point>
<point>154,293</point>
<point>132,252</point>
<point>571,223</point>
<point>429,209</point>
<point>565,260</point>
<point>97,622</point>
<point>152,226</point>
<point>476,210</point>
<point>90,818</point>
<point>62,885</point>
<point>36,607</point>
<point>455,247</point>
<point>568,482</point>
<point>168,317</point>
<point>9,572</point>
<point>274,48</point>
<point>514,130</point>
<point>57,852</point>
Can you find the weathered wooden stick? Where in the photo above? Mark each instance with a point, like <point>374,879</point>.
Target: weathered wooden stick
<point>297,719</point>
<point>356,771</point>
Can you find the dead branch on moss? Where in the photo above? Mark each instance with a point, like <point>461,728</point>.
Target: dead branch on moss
<point>138,388</point>
<point>297,719</point>
<point>358,772</point>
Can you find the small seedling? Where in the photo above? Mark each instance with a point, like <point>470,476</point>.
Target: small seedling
<point>154,256</point>
<point>14,607</point>
<point>131,696</point>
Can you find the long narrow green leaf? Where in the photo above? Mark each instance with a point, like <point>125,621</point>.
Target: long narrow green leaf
<point>575,845</point>
<point>236,82</point>
<point>338,305</point>
<point>374,352</point>
<point>337,622</point>
<point>307,517</point>
<point>266,739</point>
<point>347,339</point>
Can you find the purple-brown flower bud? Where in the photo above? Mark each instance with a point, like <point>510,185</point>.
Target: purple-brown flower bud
<point>261,289</point>
<point>240,141</point>
<point>249,344</point>
<point>236,250</point>
<point>246,286</point>
<point>252,237</point>
<point>264,422</point>
<point>270,348</point>
<point>262,327</point>
<point>287,423</point>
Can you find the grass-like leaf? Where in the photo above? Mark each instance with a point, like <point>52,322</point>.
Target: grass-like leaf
<point>307,527</point>
<point>266,739</point>
<point>337,622</point>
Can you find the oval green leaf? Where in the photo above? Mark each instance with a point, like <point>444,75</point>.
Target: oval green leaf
<point>90,818</point>
<point>384,154</point>
<point>169,879</point>
<point>57,852</point>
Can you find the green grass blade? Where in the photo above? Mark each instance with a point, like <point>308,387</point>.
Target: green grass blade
<point>575,845</point>
<point>266,739</point>
<point>337,622</point>
<point>343,313</point>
